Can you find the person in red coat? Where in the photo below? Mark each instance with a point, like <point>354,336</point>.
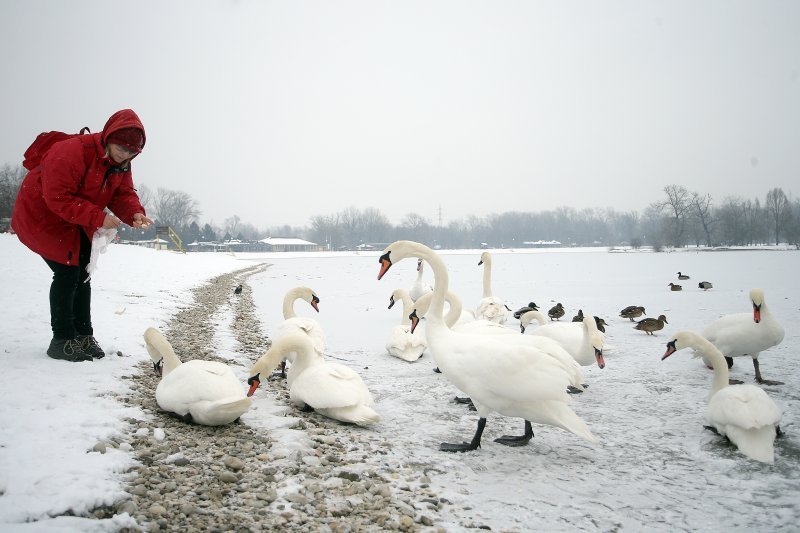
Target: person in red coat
<point>82,184</point>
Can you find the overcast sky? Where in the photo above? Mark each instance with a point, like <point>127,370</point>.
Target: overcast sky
<point>278,111</point>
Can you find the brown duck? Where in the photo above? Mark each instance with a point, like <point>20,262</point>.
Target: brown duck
<point>632,311</point>
<point>675,287</point>
<point>705,285</point>
<point>556,312</point>
<point>649,325</point>
<point>578,317</point>
<point>601,324</point>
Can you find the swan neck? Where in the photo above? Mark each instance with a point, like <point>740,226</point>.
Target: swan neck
<point>487,277</point>
<point>288,303</point>
<point>408,306</point>
<point>720,380</point>
<point>456,307</point>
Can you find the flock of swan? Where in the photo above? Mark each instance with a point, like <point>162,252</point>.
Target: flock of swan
<point>529,375</point>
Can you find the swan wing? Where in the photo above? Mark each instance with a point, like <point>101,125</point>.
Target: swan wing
<point>404,344</point>
<point>744,406</point>
<point>330,385</point>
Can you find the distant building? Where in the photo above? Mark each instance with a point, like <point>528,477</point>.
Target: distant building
<point>541,244</point>
<point>281,244</point>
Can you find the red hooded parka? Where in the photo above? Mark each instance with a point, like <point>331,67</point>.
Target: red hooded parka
<point>62,195</point>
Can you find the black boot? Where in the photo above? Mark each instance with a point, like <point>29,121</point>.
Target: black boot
<point>67,350</point>
<point>89,345</point>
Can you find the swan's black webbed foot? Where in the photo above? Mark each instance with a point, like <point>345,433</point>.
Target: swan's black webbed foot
<point>768,382</point>
<point>463,447</point>
<point>437,370</point>
<point>573,390</point>
<point>732,381</point>
<point>712,429</point>
<point>466,446</point>
<point>778,432</point>
<point>307,408</point>
<point>729,360</point>
<point>466,401</point>
<point>521,440</point>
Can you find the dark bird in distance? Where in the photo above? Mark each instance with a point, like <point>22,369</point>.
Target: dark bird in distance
<point>705,285</point>
<point>238,289</point>
<point>522,310</point>
<point>556,312</point>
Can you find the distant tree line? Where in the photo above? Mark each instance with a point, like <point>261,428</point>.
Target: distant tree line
<point>682,217</point>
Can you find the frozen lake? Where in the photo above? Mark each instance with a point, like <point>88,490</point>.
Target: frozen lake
<point>655,467</point>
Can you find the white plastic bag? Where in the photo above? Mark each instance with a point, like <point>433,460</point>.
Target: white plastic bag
<point>102,238</point>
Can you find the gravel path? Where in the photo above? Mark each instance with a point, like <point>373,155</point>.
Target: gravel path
<point>232,478</point>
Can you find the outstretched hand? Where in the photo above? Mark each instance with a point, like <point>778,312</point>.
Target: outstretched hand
<point>141,221</point>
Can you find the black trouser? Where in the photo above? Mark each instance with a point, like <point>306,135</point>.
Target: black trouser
<point>71,295</point>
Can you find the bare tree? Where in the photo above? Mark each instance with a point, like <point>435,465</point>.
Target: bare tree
<point>145,197</point>
<point>676,206</point>
<point>10,179</point>
<point>174,208</point>
<point>779,209</point>
<point>232,225</point>
<point>701,210</point>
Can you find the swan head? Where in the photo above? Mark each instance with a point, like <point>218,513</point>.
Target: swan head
<point>159,347</point>
<point>395,252</point>
<point>486,257</point>
<point>419,265</point>
<point>595,339</point>
<point>397,294</point>
<point>757,297</point>
<point>680,341</point>
<point>414,318</point>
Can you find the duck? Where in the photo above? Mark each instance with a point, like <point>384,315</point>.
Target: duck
<point>490,307</point>
<point>601,324</point>
<point>742,413</point>
<point>486,327</point>
<point>632,311</point>
<point>705,285</point>
<point>511,379</point>
<point>524,309</point>
<point>197,391</point>
<point>299,324</point>
<point>682,276</point>
<point>402,343</point>
<point>578,317</point>
<point>581,340</point>
<point>556,312</point>
<point>747,334</point>
<point>675,287</point>
<point>331,389</point>
<point>419,287</point>
<point>238,289</point>
<point>649,325</point>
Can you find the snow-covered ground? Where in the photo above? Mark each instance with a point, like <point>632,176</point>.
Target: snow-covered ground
<point>654,468</point>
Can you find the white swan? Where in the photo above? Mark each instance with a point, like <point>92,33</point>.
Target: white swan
<point>742,413</point>
<point>204,392</point>
<point>331,389</point>
<point>298,324</point>
<point>484,327</point>
<point>402,343</point>
<point>582,340</point>
<point>511,379</point>
<point>490,307</point>
<point>743,334</point>
<point>419,287</point>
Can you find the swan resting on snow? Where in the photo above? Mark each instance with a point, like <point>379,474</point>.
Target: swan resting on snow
<point>299,324</point>
<point>742,413</point>
<point>490,307</point>
<point>402,343</point>
<point>204,392</point>
<point>516,380</point>
<point>331,389</point>
<point>746,334</point>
